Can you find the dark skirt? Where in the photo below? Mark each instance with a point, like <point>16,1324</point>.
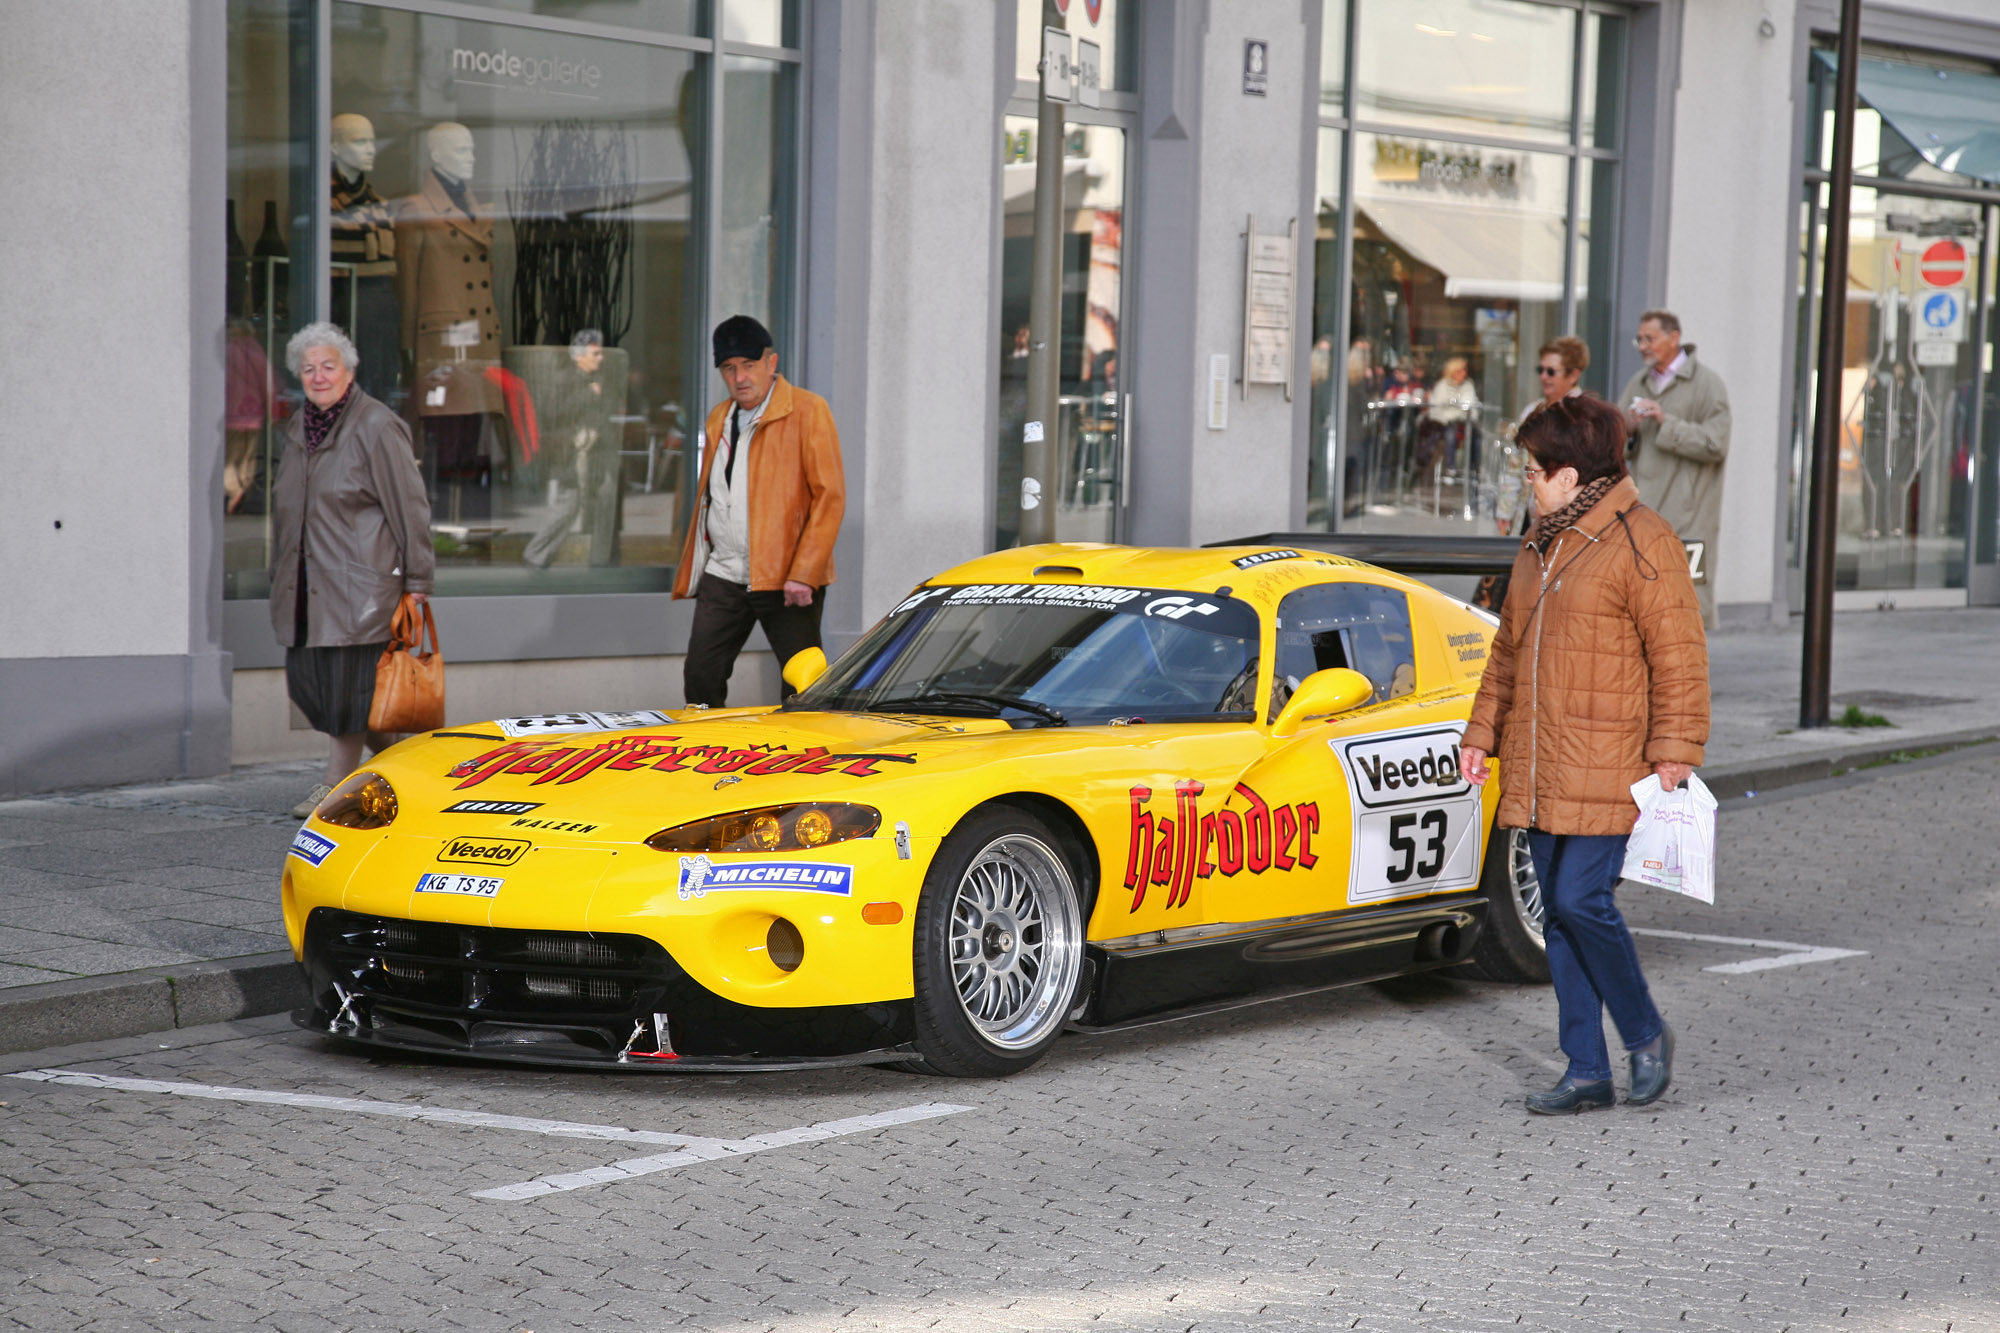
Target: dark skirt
<point>333,687</point>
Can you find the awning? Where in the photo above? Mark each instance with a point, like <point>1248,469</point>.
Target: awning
<point>1496,252</point>
<point>1950,116</point>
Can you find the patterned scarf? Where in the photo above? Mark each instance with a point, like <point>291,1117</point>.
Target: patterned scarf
<point>320,422</point>
<point>1549,525</point>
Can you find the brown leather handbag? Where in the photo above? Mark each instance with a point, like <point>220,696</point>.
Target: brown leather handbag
<point>409,682</point>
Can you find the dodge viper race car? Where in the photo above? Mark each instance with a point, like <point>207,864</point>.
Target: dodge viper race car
<point>1058,787</point>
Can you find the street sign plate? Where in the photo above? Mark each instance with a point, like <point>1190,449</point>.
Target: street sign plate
<point>1089,73</point>
<point>1055,64</point>
<point>1940,317</point>
<point>1943,264</point>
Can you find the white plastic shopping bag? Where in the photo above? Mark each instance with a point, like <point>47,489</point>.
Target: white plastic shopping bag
<point>1673,842</point>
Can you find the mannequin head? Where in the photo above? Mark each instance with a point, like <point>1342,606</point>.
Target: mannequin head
<point>450,146</point>
<point>354,143</point>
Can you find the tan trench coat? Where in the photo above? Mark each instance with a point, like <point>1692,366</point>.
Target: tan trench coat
<point>444,279</point>
<point>1599,671</point>
<point>359,506</point>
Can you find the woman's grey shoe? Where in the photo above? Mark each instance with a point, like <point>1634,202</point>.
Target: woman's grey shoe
<point>311,803</point>
<point>1569,1097</point>
<point>1652,1070</point>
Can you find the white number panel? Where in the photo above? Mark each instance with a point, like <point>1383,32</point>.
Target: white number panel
<point>1415,820</point>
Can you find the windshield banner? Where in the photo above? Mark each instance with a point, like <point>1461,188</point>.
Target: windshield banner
<point>1214,614</point>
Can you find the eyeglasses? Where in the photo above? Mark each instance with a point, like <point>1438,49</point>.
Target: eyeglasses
<point>1548,370</point>
<point>1533,473</point>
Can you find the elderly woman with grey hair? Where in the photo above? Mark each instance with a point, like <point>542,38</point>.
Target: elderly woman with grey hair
<point>350,534</point>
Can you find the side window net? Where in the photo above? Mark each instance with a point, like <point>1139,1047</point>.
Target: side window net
<point>1354,625</point>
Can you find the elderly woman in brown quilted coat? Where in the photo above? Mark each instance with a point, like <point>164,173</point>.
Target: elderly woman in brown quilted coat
<point>1598,676</point>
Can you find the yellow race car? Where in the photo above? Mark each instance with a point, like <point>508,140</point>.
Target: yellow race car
<point>1059,787</point>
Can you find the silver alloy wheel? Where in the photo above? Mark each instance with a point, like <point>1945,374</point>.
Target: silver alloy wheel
<point>1524,885</point>
<point>1016,940</point>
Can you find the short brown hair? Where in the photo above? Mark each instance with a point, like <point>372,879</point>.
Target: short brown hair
<point>1583,432</point>
<point>1575,353</point>
<point>1668,321</point>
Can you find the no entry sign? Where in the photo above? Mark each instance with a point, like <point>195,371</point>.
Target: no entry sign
<point>1943,264</point>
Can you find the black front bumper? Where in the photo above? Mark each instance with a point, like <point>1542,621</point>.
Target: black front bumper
<point>557,997</point>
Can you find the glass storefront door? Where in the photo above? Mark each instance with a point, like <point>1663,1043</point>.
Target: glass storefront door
<point>1091,403</point>
<point>1907,392</point>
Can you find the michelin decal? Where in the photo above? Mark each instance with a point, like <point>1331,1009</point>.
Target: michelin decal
<point>699,877</point>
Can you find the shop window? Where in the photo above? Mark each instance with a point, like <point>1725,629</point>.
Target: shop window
<point>495,196</point>
<point>1464,255</point>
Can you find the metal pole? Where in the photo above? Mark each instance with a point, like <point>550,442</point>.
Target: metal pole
<point>1039,460</point>
<point>1823,507</point>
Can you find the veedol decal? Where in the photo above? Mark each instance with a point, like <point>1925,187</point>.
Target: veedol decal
<point>485,851</point>
<point>311,847</point>
<point>1415,818</point>
<point>1177,850</point>
<point>551,761</point>
<point>699,877</point>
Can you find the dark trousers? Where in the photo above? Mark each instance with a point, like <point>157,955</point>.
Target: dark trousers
<point>723,615</point>
<point>1592,960</point>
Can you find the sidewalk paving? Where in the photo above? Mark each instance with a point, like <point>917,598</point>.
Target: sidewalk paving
<point>135,909</point>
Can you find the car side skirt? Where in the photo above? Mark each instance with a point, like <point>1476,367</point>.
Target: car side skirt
<point>1159,975</point>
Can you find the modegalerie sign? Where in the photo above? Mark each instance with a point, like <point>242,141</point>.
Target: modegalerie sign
<point>528,70</point>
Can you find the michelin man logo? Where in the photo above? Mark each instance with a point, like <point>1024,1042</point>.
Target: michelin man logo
<point>695,871</point>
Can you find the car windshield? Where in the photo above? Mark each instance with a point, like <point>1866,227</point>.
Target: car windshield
<point>1046,654</point>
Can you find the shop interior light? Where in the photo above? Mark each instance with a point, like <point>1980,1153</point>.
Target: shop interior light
<point>771,828</point>
<point>364,801</point>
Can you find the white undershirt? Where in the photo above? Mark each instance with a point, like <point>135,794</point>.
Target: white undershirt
<point>729,496</point>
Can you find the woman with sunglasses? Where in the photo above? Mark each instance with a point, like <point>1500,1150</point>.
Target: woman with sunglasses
<point>1598,676</point>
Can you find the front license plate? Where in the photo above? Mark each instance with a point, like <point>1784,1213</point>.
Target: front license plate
<point>472,886</point>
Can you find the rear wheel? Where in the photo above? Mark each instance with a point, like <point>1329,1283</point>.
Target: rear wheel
<point>999,946</point>
<point>1510,946</point>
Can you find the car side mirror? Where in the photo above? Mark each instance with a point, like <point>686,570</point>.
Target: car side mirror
<point>806,666</point>
<point>1334,690</point>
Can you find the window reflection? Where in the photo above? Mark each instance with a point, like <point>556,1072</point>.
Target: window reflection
<point>1485,66</point>
<point>1088,443</point>
<point>1458,277</point>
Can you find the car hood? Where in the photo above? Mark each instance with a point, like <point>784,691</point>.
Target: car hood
<point>625,785</point>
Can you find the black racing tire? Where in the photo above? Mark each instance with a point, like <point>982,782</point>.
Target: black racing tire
<point>999,945</point>
<point>1510,946</point>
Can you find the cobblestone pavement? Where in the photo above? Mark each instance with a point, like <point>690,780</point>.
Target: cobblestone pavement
<point>1359,1159</point>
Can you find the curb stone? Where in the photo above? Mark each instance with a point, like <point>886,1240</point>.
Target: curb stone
<point>130,1004</point>
<point>127,1004</point>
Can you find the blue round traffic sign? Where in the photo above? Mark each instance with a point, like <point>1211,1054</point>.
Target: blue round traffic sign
<point>1941,310</point>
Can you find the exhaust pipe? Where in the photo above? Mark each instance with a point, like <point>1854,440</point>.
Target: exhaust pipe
<point>1438,942</point>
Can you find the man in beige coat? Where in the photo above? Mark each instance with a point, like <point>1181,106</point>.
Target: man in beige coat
<point>1677,411</point>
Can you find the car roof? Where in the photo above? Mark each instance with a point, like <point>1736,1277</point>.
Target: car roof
<point>1258,574</point>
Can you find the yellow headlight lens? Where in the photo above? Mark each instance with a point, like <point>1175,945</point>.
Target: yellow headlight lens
<point>813,828</point>
<point>364,801</point>
<point>773,828</point>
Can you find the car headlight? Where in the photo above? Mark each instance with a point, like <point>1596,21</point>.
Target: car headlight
<point>365,800</point>
<point>772,828</point>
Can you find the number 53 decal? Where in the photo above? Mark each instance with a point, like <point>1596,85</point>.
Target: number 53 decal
<point>1405,831</point>
<point>1415,820</point>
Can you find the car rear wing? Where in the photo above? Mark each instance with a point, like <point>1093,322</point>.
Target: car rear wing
<point>1400,552</point>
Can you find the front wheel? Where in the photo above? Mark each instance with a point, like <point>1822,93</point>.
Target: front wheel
<point>1510,945</point>
<point>999,946</point>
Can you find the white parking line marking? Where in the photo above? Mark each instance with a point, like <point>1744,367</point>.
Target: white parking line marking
<point>692,1149</point>
<point>1794,954</point>
<point>708,1152</point>
<point>395,1110</point>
